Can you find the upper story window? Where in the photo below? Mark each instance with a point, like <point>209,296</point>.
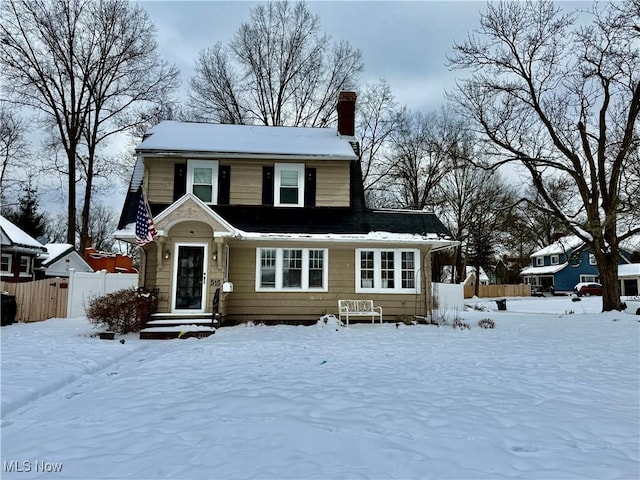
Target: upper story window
<point>202,179</point>
<point>387,271</point>
<point>592,259</point>
<point>291,269</point>
<point>555,259</point>
<point>6,265</point>
<point>289,184</point>
<point>539,261</point>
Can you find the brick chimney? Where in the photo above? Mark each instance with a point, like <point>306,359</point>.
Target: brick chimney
<point>347,114</point>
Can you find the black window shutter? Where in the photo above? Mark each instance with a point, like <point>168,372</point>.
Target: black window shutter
<point>267,185</point>
<point>310,187</point>
<point>179,180</point>
<point>224,184</point>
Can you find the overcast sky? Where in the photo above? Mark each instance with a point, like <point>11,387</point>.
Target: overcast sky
<point>405,43</point>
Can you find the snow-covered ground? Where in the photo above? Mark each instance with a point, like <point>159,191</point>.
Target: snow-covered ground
<point>547,394</point>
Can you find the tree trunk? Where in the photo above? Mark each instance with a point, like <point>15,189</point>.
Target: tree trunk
<point>71,203</point>
<point>608,269</point>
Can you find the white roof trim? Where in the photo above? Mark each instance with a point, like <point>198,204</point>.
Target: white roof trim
<point>184,199</point>
<point>371,237</point>
<point>543,270</point>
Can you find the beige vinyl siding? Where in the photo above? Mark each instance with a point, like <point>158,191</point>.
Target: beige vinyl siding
<point>246,181</point>
<point>332,180</point>
<point>245,304</point>
<point>163,278</point>
<point>332,183</point>
<point>159,179</point>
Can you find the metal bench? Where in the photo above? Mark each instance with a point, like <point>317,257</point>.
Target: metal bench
<point>358,308</point>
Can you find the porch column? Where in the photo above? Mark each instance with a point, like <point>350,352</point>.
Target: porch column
<point>160,251</point>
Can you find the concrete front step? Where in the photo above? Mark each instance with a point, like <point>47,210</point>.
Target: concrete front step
<point>177,331</point>
<point>167,326</point>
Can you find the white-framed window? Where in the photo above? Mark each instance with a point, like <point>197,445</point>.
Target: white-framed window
<point>539,262</point>
<point>387,271</point>
<point>289,185</point>
<point>588,278</point>
<point>202,180</point>
<point>592,259</point>
<point>555,259</point>
<point>25,266</point>
<point>6,265</point>
<point>292,269</point>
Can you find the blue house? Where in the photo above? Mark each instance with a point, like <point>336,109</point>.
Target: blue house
<point>560,266</point>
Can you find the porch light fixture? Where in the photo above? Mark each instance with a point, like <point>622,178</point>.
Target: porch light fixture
<point>215,256</point>
<point>167,254</point>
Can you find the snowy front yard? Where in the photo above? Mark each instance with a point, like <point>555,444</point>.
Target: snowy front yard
<point>546,394</point>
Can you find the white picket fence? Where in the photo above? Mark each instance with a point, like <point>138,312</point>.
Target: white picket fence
<point>83,286</point>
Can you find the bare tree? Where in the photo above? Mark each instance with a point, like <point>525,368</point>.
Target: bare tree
<point>104,221</point>
<point>423,148</point>
<point>475,206</point>
<point>277,70</point>
<point>13,147</point>
<point>91,69</point>
<point>378,118</point>
<point>561,99</point>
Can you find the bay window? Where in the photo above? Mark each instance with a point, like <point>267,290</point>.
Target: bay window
<point>291,269</point>
<point>387,271</point>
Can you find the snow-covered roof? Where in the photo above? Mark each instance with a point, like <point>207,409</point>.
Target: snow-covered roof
<point>55,251</point>
<point>483,277</point>
<point>629,270</point>
<point>548,270</point>
<point>14,236</point>
<point>562,245</point>
<point>631,244</point>
<point>173,136</point>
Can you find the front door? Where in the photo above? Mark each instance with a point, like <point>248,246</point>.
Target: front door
<point>190,277</point>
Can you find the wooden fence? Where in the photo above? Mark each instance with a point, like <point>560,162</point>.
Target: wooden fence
<point>495,291</point>
<point>39,300</point>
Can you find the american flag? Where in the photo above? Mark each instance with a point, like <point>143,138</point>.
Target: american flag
<point>145,229</point>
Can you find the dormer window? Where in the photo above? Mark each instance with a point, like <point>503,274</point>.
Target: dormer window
<point>202,180</point>
<point>539,261</point>
<point>555,259</point>
<point>289,184</point>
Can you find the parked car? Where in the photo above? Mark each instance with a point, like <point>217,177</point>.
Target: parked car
<point>632,306</point>
<point>9,308</point>
<point>587,289</point>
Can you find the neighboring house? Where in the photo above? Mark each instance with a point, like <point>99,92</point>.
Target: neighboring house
<point>60,258</point>
<point>629,277</point>
<point>507,270</point>
<point>111,262</point>
<point>561,265</point>
<point>273,219</point>
<point>470,279</point>
<point>20,255</point>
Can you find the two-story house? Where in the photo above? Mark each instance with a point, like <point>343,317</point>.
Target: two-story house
<point>274,219</point>
<point>563,264</point>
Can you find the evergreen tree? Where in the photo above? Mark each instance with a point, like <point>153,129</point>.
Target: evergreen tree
<point>25,215</point>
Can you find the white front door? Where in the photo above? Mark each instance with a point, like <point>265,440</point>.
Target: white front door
<point>190,277</point>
